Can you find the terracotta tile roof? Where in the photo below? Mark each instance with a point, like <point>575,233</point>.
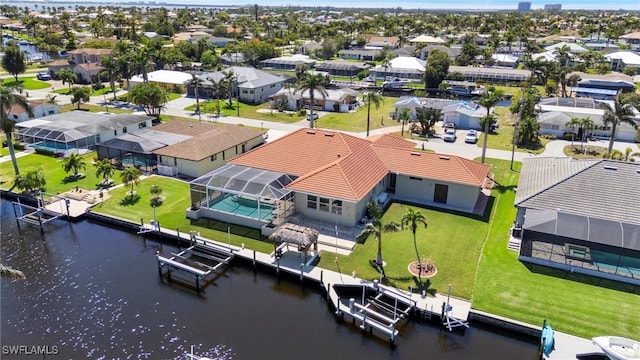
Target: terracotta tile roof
<point>390,140</point>
<point>342,166</point>
<point>434,166</point>
<point>208,141</point>
<point>350,177</point>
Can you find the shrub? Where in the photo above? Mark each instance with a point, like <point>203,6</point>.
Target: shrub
<point>302,112</point>
<point>18,146</point>
<point>45,152</point>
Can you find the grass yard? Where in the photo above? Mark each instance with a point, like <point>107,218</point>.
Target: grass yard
<point>357,122</point>
<point>94,108</point>
<point>572,303</point>
<point>105,90</point>
<point>171,214</point>
<point>4,151</point>
<point>516,90</point>
<point>503,137</point>
<point>172,96</point>
<point>453,241</point>
<point>584,152</point>
<point>27,83</point>
<point>209,108</point>
<point>52,168</point>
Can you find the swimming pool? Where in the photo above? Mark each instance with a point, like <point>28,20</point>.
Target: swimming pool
<point>52,146</point>
<point>236,205</point>
<point>616,263</point>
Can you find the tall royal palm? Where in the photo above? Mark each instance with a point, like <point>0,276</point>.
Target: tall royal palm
<point>413,218</point>
<point>371,97</point>
<point>110,70</point>
<point>620,112</point>
<point>130,176</point>
<point>312,84</point>
<point>196,82</point>
<point>489,100</point>
<point>8,98</point>
<point>376,227</point>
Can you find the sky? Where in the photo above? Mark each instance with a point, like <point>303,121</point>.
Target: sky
<point>406,4</point>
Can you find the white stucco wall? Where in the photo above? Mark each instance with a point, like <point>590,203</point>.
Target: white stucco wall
<point>459,196</point>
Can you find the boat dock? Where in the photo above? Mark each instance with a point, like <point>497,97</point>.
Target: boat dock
<point>201,260</point>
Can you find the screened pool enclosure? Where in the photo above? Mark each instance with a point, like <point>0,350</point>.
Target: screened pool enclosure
<point>243,195</point>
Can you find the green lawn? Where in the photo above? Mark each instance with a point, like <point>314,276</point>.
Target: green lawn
<point>105,90</point>
<point>357,122</point>
<point>95,108</point>
<point>247,111</point>
<point>171,214</point>
<point>4,151</point>
<point>456,260</point>
<point>503,137</point>
<point>28,83</point>
<point>576,304</point>
<point>53,173</point>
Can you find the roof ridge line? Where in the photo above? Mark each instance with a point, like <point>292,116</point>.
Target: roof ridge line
<point>464,165</point>
<point>561,181</point>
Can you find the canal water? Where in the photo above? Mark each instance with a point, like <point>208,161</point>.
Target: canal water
<point>93,292</point>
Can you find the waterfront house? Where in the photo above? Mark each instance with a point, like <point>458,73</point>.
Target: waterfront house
<point>180,147</point>
<point>358,54</point>
<point>401,67</point>
<point>79,130</point>
<point>287,62</point>
<point>463,114</point>
<point>88,55</point>
<point>331,176</point>
<point>342,67</point>
<point>555,113</point>
<point>252,85</point>
<point>573,217</point>
<point>624,59</point>
<point>336,100</point>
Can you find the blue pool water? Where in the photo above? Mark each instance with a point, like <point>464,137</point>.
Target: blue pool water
<point>52,146</point>
<point>241,206</point>
<point>615,262</point>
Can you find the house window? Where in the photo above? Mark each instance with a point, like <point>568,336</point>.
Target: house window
<point>175,161</point>
<point>244,148</point>
<point>124,130</point>
<point>415,178</point>
<point>214,157</point>
<point>336,207</point>
<point>324,204</point>
<point>312,202</point>
<point>223,157</point>
<point>15,117</point>
<point>142,125</point>
<point>51,112</point>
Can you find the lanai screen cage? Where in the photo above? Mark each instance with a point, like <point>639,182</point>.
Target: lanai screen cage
<point>245,192</point>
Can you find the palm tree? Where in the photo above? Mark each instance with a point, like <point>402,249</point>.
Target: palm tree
<point>229,80</point>
<point>627,155</point>
<point>156,191</point>
<point>404,116</point>
<point>9,98</point>
<point>7,272</point>
<point>572,124</point>
<point>68,77</point>
<point>620,112</point>
<point>489,100</point>
<point>585,124</point>
<point>196,83</point>
<point>141,62</point>
<point>312,83</point>
<point>104,169</point>
<point>413,218</point>
<point>130,176</point>
<point>375,227</point>
<point>371,97</point>
<point>73,163</point>
<point>110,69</point>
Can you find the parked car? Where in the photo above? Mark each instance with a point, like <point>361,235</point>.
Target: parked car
<point>43,76</point>
<point>449,125</point>
<point>315,117</point>
<point>472,137</point>
<point>450,135</point>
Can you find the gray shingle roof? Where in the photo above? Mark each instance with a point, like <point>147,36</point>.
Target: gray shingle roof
<point>603,189</point>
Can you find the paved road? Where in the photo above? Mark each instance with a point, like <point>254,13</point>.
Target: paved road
<point>276,130</point>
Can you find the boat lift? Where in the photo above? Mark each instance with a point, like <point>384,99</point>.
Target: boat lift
<point>448,320</point>
<point>381,312</point>
<point>37,215</point>
<point>202,259</point>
